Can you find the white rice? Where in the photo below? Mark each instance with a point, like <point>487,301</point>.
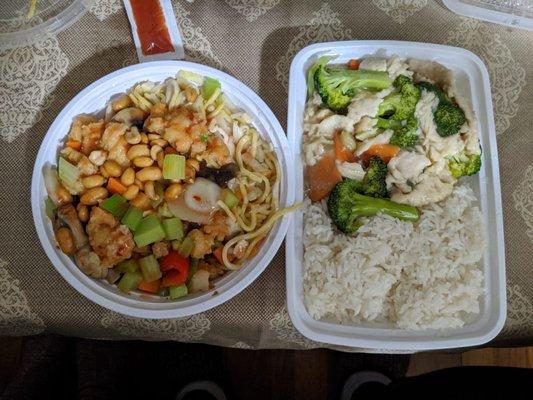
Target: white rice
<point>416,276</point>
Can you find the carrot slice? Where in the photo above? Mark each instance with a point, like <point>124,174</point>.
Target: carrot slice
<point>218,254</point>
<point>341,152</point>
<point>74,144</point>
<point>353,64</point>
<point>115,186</point>
<point>322,177</point>
<point>150,287</point>
<point>384,150</point>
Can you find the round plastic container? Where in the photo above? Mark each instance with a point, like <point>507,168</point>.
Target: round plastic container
<point>93,99</point>
<point>18,29</point>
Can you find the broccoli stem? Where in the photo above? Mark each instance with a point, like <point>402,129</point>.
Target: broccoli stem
<point>396,210</point>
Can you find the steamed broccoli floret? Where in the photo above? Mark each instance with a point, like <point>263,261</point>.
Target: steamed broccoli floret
<point>432,88</point>
<point>401,105</point>
<point>346,205</point>
<point>464,164</point>
<point>374,181</point>
<point>406,135</point>
<point>337,86</point>
<point>448,118</point>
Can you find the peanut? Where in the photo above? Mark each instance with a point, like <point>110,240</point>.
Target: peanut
<point>173,191</point>
<point>142,202</point>
<point>63,195</point>
<point>92,196</point>
<point>128,177</point>
<point>149,189</point>
<point>160,159</point>
<point>133,136</point>
<point>98,157</point>
<point>83,212</point>
<point>144,138</point>
<point>138,150</point>
<point>65,240</point>
<point>113,168</point>
<point>154,151</point>
<point>103,172</point>
<point>142,162</point>
<point>92,181</point>
<point>131,192</point>
<point>159,142</point>
<point>149,174</point>
<point>153,136</point>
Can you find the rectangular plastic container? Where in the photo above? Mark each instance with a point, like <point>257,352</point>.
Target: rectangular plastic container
<point>473,81</point>
<point>513,13</point>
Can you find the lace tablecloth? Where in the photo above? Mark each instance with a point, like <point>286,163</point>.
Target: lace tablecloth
<point>254,40</point>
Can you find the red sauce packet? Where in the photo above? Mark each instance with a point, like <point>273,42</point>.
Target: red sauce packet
<point>155,31</point>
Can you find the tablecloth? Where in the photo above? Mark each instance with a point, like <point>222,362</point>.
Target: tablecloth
<point>255,41</point>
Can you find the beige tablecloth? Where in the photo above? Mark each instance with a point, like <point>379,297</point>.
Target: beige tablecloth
<point>255,41</point>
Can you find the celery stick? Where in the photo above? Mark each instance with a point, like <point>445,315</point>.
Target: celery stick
<point>129,281</point>
<point>116,205</point>
<point>173,229</point>
<point>69,175</point>
<point>193,267</point>
<point>209,87</point>
<point>176,292</point>
<point>149,231</point>
<point>130,265</point>
<point>132,218</point>
<point>174,166</point>
<point>186,247</point>
<point>229,198</point>
<point>150,268</point>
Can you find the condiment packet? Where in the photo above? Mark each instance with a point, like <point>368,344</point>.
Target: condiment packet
<point>155,32</point>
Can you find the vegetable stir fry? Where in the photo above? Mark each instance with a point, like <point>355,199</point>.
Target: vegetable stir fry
<point>378,129</point>
<point>170,190</point>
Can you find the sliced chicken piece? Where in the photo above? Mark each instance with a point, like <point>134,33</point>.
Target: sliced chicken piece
<point>112,242</point>
<point>89,262</point>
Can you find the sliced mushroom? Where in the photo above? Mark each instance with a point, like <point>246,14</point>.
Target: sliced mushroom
<point>131,116</point>
<point>69,216</point>
<point>221,175</point>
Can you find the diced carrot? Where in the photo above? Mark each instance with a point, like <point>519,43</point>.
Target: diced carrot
<point>115,186</point>
<point>74,144</point>
<point>384,150</point>
<point>218,254</point>
<point>341,152</point>
<point>322,177</point>
<point>353,64</point>
<point>150,287</point>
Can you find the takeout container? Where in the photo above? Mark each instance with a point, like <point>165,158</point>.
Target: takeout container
<point>472,81</point>
<point>92,100</point>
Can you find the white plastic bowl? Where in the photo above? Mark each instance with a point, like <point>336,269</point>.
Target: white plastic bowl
<point>93,99</point>
<point>473,81</point>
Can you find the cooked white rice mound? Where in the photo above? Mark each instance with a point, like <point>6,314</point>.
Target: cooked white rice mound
<point>417,276</point>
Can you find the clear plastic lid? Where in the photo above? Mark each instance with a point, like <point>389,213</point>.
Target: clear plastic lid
<point>23,22</point>
<point>513,13</point>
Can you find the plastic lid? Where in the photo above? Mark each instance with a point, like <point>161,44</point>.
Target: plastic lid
<point>19,28</point>
<point>513,13</point>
